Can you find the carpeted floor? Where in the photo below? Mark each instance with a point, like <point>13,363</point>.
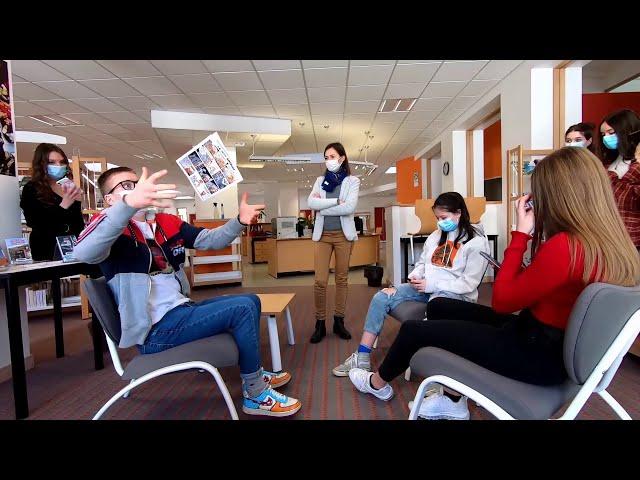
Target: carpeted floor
<point>69,388</point>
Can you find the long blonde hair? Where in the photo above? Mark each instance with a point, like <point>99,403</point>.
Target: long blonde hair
<point>572,194</point>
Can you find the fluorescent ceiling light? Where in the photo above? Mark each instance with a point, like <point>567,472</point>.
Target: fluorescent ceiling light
<point>273,159</point>
<point>22,136</point>
<point>184,197</point>
<point>391,170</point>
<point>250,165</point>
<point>397,105</point>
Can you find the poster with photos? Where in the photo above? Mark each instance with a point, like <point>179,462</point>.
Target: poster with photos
<point>7,138</point>
<point>209,168</point>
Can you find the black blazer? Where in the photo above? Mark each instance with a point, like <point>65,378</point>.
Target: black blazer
<point>47,221</point>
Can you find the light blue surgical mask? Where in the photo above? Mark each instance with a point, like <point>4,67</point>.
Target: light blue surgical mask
<point>56,171</point>
<point>575,144</point>
<point>610,141</point>
<point>447,225</point>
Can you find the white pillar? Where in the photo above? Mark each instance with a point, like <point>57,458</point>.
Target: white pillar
<point>572,96</point>
<point>288,199</point>
<point>10,227</point>
<point>478,163</point>
<point>425,186</point>
<point>541,108</point>
<point>458,167</point>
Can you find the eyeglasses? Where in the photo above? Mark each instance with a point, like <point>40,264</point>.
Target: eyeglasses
<point>125,184</point>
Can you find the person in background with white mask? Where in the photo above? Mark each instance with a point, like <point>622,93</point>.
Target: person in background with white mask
<point>142,255</point>
<point>618,150</point>
<point>50,208</point>
<point>580,135</point>
<point>334,197</point>
<point>450,266</point>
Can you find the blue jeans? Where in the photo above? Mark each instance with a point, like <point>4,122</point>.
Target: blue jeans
<point>381,304</point>
<point>237,314</point>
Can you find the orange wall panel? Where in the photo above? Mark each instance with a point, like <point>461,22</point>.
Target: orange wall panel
<point>492,151</point>
<point>406,169</point>
<point>596,106</point>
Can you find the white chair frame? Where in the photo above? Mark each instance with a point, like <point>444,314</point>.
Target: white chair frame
<point>596,383</point>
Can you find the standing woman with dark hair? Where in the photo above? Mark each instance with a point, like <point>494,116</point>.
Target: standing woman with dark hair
<point>580,135</point>
<point>618,150</point>
<point>334,198</point>
<point>50,209</point>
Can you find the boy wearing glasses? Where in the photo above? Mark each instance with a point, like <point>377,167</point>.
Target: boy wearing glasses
<point>142,257</point>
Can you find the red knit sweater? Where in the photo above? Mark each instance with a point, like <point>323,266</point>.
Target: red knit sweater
<point>547,286</point>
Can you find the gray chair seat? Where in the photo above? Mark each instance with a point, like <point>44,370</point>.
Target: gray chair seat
<point>218,351</point>
<point>521,400</point>
<point>409,310</point>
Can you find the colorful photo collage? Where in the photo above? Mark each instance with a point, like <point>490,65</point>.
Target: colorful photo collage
<point>209,168</point>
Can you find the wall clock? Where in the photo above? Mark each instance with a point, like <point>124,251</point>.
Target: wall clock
<point>445,168</point>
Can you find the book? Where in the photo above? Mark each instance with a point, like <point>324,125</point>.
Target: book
<point>66,244</point>
<point>19,250</point>
<point>4,261</point>
<point>209,167</point>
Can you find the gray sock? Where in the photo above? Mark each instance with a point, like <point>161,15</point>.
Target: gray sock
<point>253,384</point>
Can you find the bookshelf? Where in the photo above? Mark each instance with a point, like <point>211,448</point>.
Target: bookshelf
<point>38,296</point>
<point>215,267</point>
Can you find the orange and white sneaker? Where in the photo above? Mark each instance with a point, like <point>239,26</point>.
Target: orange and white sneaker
<point>276,380</point>
<point>270,403</point>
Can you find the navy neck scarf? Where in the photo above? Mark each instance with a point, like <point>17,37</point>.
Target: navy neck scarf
<point>332,180</point>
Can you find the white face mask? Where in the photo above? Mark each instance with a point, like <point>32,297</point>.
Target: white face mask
<point>333,165</point>
<point>115,196</point>
<point>575,144</point>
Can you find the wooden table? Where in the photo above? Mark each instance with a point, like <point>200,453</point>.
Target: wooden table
<point>286,255</point>
<point>273,304</point>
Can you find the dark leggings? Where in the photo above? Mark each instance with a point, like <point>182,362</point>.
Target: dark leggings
<point>516,346</point>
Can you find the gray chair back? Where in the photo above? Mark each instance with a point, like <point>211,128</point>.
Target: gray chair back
<point>597,318</point>
<point>104,307</point>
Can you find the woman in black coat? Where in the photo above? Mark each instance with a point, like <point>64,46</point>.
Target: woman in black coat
<point>50,209</point>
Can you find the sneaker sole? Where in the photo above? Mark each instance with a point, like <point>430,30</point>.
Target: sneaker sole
<point>340,373</point>
<point>444,417</point>
<point>267,413</point>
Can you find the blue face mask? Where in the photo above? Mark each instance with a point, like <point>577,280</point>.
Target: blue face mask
<point>447,225</point>
<point>56,171</point>
<point>610,141</point>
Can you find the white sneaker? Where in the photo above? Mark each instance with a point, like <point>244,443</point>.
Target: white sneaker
<point>438,406</point>
<point>361,379</point>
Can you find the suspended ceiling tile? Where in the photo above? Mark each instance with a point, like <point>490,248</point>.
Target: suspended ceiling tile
<point>326,77</point>
<point>130,68</point>
<point>152,85</point>
<point>282,79</point>
<point>80,69</point>
<point>196,83</point>
<point>239,81</point>
<point>35,71</point>
<point>176,67</point>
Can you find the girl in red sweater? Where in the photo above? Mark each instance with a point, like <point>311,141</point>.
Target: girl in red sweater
<point>578,238</point>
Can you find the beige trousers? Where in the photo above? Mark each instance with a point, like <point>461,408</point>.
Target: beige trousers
<point>332,241</point>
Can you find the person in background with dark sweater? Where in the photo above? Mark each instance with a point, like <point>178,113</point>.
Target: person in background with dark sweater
<point>585,241</point>
<point>50,209</point>
<point>618,150</point>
